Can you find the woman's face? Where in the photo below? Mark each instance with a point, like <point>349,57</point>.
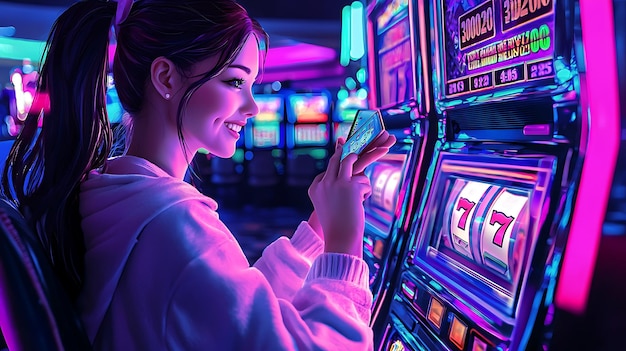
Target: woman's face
<point>218,110</point>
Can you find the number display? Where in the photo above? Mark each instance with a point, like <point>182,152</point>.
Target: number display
<point>541,69</point>
<point>476,25</point>
<point>510,75</point>
<point>497,237</point>
<point>518,12</point>
<point>463,215</point>
<point>481,81</point>
<point>458,87</point>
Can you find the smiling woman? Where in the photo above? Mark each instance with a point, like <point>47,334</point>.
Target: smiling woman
<point>144,255</point>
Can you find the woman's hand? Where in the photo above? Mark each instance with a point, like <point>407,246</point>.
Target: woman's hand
<point>377,149</point>
<point>338,194</point>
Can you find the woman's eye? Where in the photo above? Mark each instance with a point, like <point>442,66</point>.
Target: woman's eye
<point>236,83</point>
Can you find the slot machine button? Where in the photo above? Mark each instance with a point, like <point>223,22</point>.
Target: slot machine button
<point>458,329</point>
<point>479,345</point>
<point>436,310</point>
<point>409,289</point>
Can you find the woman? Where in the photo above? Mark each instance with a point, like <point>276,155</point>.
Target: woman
<point>144,254</point>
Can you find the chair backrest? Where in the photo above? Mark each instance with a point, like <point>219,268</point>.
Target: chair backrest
<point>35,312</point>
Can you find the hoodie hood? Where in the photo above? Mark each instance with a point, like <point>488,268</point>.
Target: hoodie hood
<point>115,205</point>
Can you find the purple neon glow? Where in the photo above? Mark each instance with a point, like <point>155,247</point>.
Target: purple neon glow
<point>599,165</point>
<point>298,54</point>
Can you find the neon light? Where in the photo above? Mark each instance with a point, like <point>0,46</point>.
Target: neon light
<point>344,56</point>
<point>361,75</point>
<point>361,94</point>
<point>19,49</point>
<point>357,29</point>
<point>350,83</point>
<point>599,165</point>
<point>16,80</point>
<point>342,94</point>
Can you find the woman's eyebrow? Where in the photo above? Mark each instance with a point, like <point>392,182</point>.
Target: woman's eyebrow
<point>243,68</point>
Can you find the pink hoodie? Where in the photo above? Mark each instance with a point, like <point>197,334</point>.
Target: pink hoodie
<point>162,272</point>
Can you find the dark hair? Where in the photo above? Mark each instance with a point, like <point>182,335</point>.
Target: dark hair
<point>45,167</point>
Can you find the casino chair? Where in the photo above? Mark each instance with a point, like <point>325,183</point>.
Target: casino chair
<point>35,312</point>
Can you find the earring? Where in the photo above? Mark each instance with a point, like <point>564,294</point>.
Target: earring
<point>167,96</point>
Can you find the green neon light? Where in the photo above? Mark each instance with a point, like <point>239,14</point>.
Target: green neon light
<point>357,35</point>
<point>19,49</point>
<point>344,55</point>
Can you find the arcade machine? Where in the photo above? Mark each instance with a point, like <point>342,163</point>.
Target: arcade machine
<point>398,65</point>
<point>486,249</point>
<point>308,142</point>
<point>344,113</point>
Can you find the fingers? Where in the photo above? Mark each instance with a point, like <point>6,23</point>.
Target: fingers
<point>312,188</point>
<point>333,163</point>
<point>346,166</point>
<point>365,186</point>
<point>379,148</point>
<point>368,158</point>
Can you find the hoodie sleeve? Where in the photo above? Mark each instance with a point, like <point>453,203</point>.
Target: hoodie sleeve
<point>221,303</point>
<point>218,302</point>
<point>286,262</point>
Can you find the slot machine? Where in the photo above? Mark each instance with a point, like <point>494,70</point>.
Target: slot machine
<point>398,63</point>
<point>264,150</point>
<point>344,113</point>
<point>486,249</point>
<point>265,132</point>
<point>308,142</point>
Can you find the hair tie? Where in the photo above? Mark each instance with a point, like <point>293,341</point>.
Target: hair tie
<point>123,9</point>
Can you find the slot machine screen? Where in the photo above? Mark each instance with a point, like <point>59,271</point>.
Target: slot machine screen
<point>270,108</point>
<point>394,53</point>
<point>344,115</point>
<point>483,219</point>
<point>265,134</point>
<point>309,108</point>
<point>491,44</point>
<point>310,135</point>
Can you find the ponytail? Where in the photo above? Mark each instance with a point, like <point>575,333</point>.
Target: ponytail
<point>45,167</point>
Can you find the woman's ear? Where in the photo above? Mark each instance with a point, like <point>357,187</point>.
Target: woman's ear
<point>164,77</point>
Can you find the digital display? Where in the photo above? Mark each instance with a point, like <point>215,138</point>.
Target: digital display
<point>270,108</point>
<point>478,230</point>
<point>495,43</point>
<point>309,108</point>
<point>395,57</point>
<point>310,134</point>
<point>265,135</point>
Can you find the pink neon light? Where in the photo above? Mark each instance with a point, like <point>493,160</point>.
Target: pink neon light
<point>599,165</point>
<point>298,54</point>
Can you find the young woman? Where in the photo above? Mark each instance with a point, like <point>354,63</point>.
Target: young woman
<point>144,254</point>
